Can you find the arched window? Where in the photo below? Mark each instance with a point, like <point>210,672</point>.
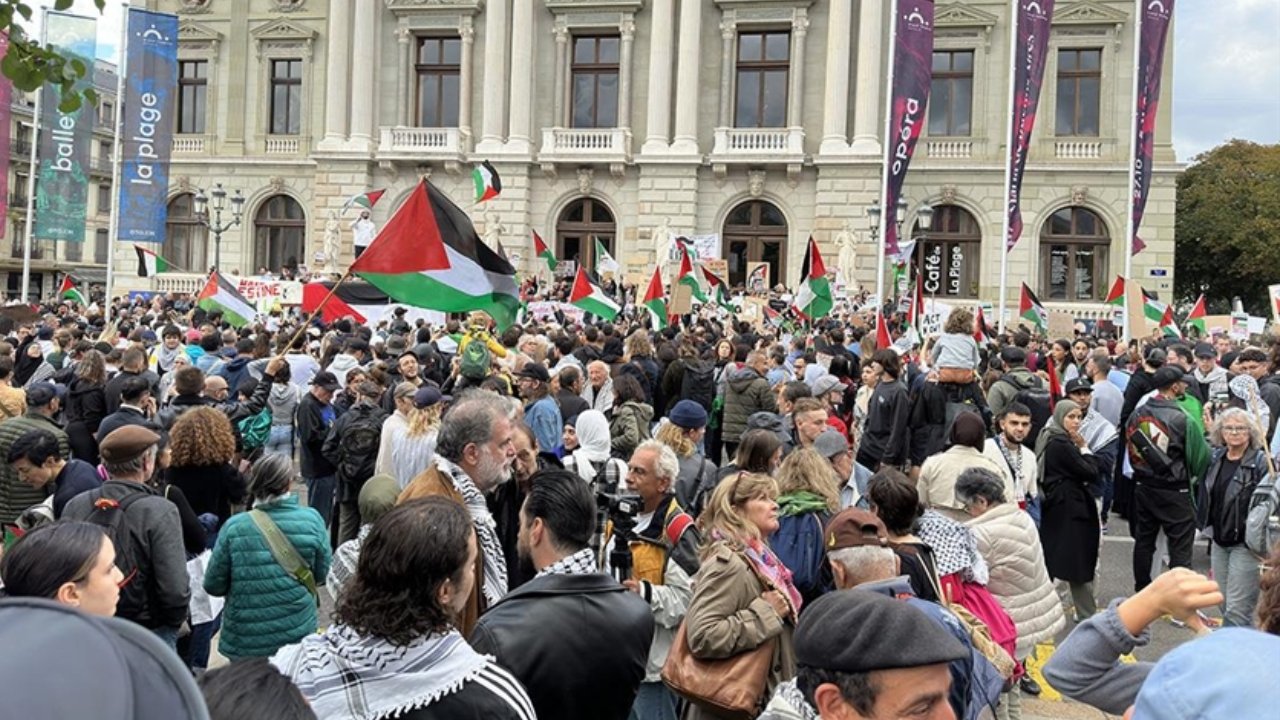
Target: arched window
<point>582,222</point>
<point>1075,253</point>
<point>279,234</point>
<point>185,238</point>
<point>948,259</point>
<point>755,231</point>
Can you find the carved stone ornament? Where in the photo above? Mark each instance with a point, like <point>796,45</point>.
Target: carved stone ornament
<point>194,7</point>
<point>586,177</point>
<point>276,183</point>
<point>755,183</point>
<point>286,6</point>
<point>948,194</point>
<point>183,182</point>
<point>1079,195</point>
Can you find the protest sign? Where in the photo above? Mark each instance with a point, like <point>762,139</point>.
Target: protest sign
<point>1061,325</point>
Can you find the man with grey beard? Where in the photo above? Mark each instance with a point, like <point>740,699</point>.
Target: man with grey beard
<point>475,452</point>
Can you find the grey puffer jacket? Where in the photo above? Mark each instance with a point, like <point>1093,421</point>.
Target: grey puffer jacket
<point>746,392</point>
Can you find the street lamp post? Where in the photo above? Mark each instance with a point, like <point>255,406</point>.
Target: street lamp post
<point>924,216</point>
<point>217,201</point>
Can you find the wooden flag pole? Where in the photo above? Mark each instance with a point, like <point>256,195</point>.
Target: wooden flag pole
<point>311,316</point>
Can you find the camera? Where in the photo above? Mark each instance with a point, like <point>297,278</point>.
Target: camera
<point>620,511</point>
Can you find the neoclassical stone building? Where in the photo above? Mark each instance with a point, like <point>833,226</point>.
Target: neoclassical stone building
<point>756,121</point>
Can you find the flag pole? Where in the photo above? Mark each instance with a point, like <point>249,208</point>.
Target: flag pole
<point>885,211</point>
<point>311,316</point>
<point>1008,164</point>
<point>33,169</point>
<point>114,222</point>
<point>1131,230</point>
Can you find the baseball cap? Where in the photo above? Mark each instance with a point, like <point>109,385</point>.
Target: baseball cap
<point>825,384</point>
<point>1205,350</point>
<point>1078,385</point>
<point>1166,376</point>
<point>535,371</point>
<point>326,380</point>
<point>855,527</point>
<point>41,394</point>
<point>427,396</point>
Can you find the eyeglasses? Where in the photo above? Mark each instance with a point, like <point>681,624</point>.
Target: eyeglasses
<point>1235,429</point>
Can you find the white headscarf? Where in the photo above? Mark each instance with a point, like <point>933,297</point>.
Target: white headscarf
<point>594,443</point>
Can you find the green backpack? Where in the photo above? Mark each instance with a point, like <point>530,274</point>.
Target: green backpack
<point>255,430</point>
<point>476,360</point>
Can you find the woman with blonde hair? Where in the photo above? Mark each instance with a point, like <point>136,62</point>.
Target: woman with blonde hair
<point>203,446</point>
<point>413,447</point>
<point>743,595</point>
<point>808,497</point>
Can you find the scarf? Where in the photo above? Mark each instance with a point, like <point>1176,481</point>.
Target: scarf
<point>801,502</point>
<point>349,676</point>
<point>164,357</point>
<point>954,549</point>
<point>789,695</point>
<point>593,443</point>
<point>582,562</point>
<point>495,562</point>
<point>774,572</point>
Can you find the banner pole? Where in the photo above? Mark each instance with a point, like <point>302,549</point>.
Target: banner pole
<point>1008,163</point>
<point>32,170</point>
<point>311,316</point>
<point>114,221</point>
<point>887,214</point>
<point>1131,230</point>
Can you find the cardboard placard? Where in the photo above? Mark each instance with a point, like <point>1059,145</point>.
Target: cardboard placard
<point>758,277</point>
<point>719,266</point>
<point>1240,326</point>
<point>681,299</point>
<point>1061,325</point>
<point>1217,324</point>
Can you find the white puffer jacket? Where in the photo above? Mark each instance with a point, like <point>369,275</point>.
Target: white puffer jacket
<point>1009,542</point>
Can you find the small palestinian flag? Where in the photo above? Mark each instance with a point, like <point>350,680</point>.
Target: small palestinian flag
<point>1030,309</point>
<point>719,288</point>
<point>1116,296</point>
<point>884,340</point>
<point>604,261</point>
<point>365,200</point>
<point>68,291</point>
<point>488,183</point>
<point>591,298</point>
<point>149,263</point>
<point>219,295</point>
<point>772,316</point>
<point>1167,325</point>
<point>655,300</point>
<point>917,305</point>
<point>686,276</point>
<point>1152,308</point>
<point>541,250</point>
<point>1197,316</point>
<point>981,333</point>
<point>813,300</point>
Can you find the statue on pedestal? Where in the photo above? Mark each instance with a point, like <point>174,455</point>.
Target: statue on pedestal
<point>493,230</point>
<point>332,241</point>
<point>847,242</point>
<point>663,241</point>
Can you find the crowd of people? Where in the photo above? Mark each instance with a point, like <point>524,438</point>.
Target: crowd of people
<point>716,519</point>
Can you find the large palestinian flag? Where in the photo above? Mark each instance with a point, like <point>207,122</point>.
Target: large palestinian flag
<point>1030,309</point>
<point>68,291</point>
<point>813,300</point>
<point>219,295</point>
<point>428,255</point>
<point>360,301</point>
<point>591,298</point>
<point>695,281</point>
<point>1196,318</point>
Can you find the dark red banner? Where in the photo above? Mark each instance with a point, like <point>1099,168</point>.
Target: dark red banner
<point>1031,47</point>
<point>1156,16</point>
<point>912,74</point>
<point>6,97</point>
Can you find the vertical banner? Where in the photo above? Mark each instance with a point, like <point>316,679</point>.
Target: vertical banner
<point>65,138</point>
<point>146,138</point>
<point>6,97</point>
<point>1156,15</point>
<point>912,74</point>
<point>1031,48</point>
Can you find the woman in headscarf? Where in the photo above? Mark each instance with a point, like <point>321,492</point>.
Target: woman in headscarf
<point>1069,516</point>
<point>1246,396</point>
<point>593,460</point>
<point>30,367</point>
<point>938,474</point>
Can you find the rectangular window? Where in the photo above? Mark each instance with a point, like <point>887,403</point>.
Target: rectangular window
<point>101,246</point>
<point>764,64</point>
<point>104,154</point>
<point>22,142</point>
<point>193,93</point>
<point>104,199</point>
<point>1079,92</point>
<point>951,93</point>
<point>438,65</point>
<point>72,251</point>
<point>107,114</point>
<point>286,97</point>
<point>18,193</point>
<point>594,78</point>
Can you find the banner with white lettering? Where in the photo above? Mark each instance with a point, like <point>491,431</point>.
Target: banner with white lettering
<point>65,137</point>
<point>1156,17</point>
<point>912,75</point>
<point>1034,20</point>
<point>150,95</point>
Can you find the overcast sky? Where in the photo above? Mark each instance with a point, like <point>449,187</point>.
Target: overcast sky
<point>1226,65</point>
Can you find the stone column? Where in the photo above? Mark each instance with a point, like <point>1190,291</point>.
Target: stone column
<point>795,90</point>
<point>363,75</point>
<point>624,74</point>
<point>522,30</point>
<point>406,114</point>
<point>661,34</point>
<point>686,139</point>
<point>337,75</point>
<point>559,114</point>
<point>867,120</point>
<point>466,76</point>
<point>835,97</point>
<point>728,35</point>
<point>495,68</point>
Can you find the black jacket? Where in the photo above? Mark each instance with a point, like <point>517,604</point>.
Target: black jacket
<point>115,384</point>
<point>312,426</point>
<point>1226,518</point>
<point>571,405</point>
<point>1141,382</point>
<point>579,643</point>
<point>1166,467</point>
<point>885,438</point>
<point>124,416</point>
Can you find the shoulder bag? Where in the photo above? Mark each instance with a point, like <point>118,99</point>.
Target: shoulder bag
<point>284,552</point>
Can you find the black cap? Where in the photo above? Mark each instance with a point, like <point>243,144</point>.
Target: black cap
<point>1013,355</point>
<point>1205,350</point>
<point>535,371</point>
<point>1078,385</point>
<point>859,631</point>
<point>326,380</point>
<point>43,393</point>
<point>1156,357</point>
<point>1166,376</point>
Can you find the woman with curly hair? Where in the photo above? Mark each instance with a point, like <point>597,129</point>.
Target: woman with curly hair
<point>203,446</point>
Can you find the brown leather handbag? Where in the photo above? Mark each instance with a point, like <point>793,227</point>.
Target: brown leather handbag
<point>731,687</point>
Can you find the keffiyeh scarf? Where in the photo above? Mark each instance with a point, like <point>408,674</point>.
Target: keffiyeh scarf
<point>495,562</point>
<point>582,562</point>
<point>954,549</point>
<point>349,676</point>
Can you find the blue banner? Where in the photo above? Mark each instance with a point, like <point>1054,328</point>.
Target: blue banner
<point>62,188</point>
<point>146,137</point>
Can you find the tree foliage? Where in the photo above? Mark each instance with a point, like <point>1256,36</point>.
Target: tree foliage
<point>1227,229</point>
<point>31,65</point>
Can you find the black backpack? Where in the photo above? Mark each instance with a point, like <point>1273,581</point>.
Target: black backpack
<point>699,383</point>
<point>359,446</point>
<point>1039,401</point>
<point>135,597</point>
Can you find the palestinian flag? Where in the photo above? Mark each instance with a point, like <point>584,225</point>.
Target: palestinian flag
<point>813,300</point>
<point>1116,295</point>
<point>1167,325</point>
<point>604,261</point>
<point>884,340</point>
<point>1152,308</point>
<point>68,291</point>
<point>149,263</point>
<point>1030,309</point>
<point>688,277</point>
<point>772,316</point>
<point>1197,316</point>
<point>1055,385</point>
<point>365,200</point>
<point>917,305</point>
<point>488,183</point>
<point>541,250</point>
<point>219,295</point>
<point>981,333</point>
<point>429,256</point>
<point>719,288</point>
<point>591,298</point>
<point>655,300</point>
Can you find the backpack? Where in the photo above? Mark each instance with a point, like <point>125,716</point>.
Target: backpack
<point>954,410</point>
<point>135,587</point>
<point>798,543</point>
<point>699,383</point>
<point>1147,438</point>
<point>1039,401</point>
<point>476,360</point>
<point>358,446</point>
<point>255,430</point>
<point>1262,524</point>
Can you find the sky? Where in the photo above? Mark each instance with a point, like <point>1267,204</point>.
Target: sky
<point>1226,69</point>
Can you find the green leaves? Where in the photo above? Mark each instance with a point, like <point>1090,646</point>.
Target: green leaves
<point>30,65</point>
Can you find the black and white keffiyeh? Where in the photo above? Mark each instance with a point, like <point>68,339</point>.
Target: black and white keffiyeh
<point>582,562</point>
<point>495,562</point>
<point>953,545</point>
<point>789,702</point>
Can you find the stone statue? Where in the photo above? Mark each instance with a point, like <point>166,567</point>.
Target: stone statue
<point>493,229</point>
<point>847,241</point>
<point>664,241</point>
<point>332,241</point>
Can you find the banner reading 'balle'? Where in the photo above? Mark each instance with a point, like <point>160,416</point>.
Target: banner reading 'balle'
<point>63,191</point>
<point>1031,49</point>
<point>1156,16</point>
<point>146,138</point>
<point>912,75</point>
